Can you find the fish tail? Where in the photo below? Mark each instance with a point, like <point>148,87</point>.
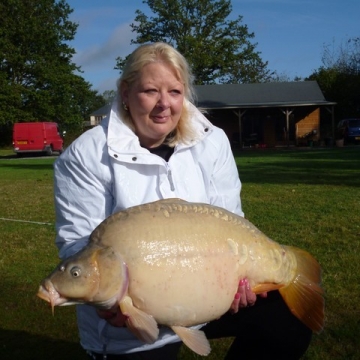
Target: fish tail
<point>304,295</point>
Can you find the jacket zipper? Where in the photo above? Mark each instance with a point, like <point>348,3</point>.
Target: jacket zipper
<point>169,175</point>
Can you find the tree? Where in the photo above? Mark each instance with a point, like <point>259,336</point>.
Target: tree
<point>109,95</point>
<point>38,80</point>
<point>339,77</point>
<point>219,50</point>
<point>345,57</point>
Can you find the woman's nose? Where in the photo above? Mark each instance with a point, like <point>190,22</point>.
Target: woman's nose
<point>163,101</point>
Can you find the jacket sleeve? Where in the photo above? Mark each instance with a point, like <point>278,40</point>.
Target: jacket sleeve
<point>225,184</point>
<point>82,195</point>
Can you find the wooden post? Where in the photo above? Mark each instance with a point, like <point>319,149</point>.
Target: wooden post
<point>239,114</point>
<point>287,113</point>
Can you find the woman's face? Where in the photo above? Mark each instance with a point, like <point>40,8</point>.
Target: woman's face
<point>155,102</point>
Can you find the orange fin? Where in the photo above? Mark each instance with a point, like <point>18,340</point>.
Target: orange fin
<point>193,339</point>
<point>260,288</point>
<point>304,295</point>
<point>141,324</point>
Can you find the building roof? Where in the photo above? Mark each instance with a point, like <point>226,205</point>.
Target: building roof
<point>272,94</point>
<point>102,111</point>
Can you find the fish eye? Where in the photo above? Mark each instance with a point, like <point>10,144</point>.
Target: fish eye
<point>75,272</point>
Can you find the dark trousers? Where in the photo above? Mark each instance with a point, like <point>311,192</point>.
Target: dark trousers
<point>266,330</point>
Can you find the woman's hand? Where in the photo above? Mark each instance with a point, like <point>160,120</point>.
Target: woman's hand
<point>244,296</point>
<point>113,316</point>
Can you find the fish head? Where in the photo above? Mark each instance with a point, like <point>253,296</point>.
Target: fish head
<point>96,276</point>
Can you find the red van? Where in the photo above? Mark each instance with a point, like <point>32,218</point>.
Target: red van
<point>37,137</point>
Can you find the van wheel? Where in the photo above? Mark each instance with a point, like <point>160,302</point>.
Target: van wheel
<point>49,151</point>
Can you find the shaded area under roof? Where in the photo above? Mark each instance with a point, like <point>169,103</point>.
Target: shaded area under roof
<point>272,94</point>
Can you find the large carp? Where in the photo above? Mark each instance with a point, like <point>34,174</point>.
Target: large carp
<point>178,264</point>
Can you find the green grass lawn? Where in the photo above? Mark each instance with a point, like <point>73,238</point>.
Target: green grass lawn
<point>308,198</point>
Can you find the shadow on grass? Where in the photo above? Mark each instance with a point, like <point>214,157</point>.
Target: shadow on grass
<point>300,166</point>
<point>35,155</point>
<point>11,156</point>
<point>25,346</point>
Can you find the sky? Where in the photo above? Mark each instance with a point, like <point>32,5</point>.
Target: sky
<point>290,34</point>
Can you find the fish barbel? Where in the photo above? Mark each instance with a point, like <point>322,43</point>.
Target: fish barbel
<point>178,264</point>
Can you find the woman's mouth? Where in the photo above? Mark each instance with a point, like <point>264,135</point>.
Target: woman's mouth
<point>160,119</point>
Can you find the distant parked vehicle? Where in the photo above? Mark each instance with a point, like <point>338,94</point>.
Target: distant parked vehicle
<point>349,129</point>
<point>37,137</point>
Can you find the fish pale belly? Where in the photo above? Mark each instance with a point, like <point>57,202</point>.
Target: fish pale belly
<point>185,291</point>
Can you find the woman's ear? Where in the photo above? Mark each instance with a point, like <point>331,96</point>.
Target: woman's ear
<point>124,92</point>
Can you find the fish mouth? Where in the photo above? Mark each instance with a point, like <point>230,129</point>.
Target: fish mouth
<point>48,293</point>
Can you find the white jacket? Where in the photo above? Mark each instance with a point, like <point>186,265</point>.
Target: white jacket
<point>106,170</point>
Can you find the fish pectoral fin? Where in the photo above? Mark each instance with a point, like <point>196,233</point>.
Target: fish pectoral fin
<point>266,287</point>
<point>141,324</point>
<point>193,339</point>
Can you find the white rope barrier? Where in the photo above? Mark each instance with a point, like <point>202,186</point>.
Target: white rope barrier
<point>27,221</point>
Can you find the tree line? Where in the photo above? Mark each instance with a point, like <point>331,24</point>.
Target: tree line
<point>40,81</point>
<point>339,77</point>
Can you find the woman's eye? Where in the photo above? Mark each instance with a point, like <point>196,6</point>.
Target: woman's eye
<point>150,91</point>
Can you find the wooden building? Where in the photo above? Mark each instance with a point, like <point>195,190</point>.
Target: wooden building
<point>266,114</point>
<point>97,116</point>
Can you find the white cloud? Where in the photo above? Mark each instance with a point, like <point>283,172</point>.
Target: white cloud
<point>100,55</point>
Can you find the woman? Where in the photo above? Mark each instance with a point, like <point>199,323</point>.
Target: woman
<point>154,144</point>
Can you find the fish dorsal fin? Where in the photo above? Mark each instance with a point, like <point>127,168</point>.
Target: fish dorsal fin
<point>193,339</point>
<point>141,324</point>
<point>171,201</point>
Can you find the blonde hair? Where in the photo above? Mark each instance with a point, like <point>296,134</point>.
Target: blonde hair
<point>150,53</point>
